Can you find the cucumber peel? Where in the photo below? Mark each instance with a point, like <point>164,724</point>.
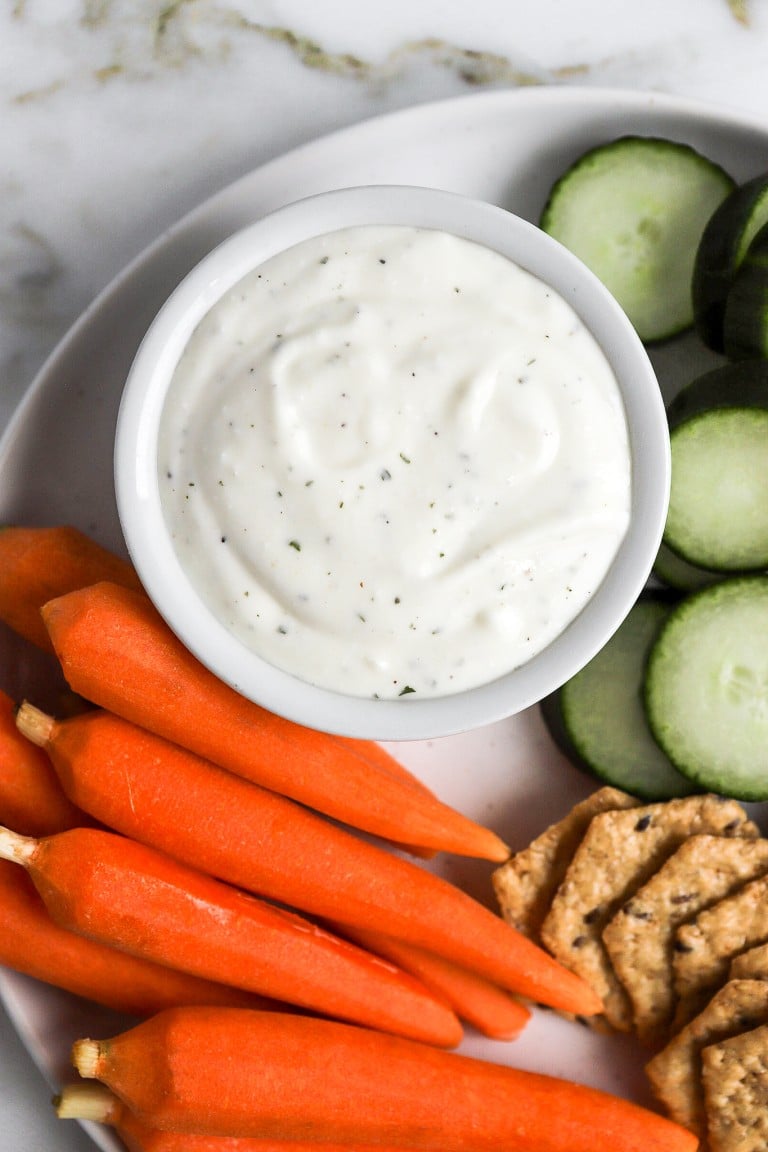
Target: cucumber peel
<point>740,385</point>
<point>745,319</point>
<point>597,717</point>
<point>724,243</point>
<point>679,574</point>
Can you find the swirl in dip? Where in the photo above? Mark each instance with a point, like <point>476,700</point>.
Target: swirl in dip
<point>393,462</point>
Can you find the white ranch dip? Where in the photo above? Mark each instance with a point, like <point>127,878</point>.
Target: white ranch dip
<point>393,462</point>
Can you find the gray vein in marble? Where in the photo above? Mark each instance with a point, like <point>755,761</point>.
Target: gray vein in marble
<point>181,31</point>
<point>739,10</point>
<point>94,12</point>
<point>472,66</point>
<point>32,94</point>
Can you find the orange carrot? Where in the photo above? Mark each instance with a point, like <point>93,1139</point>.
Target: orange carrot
<point>241,1073</point>
<point>490,1009</point>
<point>136,899</point>
<point>117,652</point>
<point>31,943</point>
<point>377,757</point>
<point>92,1101</point>
<point>375,754</point>
<point>31,798</point>
<point>37,564</point>
<point>155,791</point>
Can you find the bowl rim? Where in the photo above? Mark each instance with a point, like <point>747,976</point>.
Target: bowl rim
<point>163,576</point>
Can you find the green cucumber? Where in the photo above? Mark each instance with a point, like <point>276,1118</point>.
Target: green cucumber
<point>745,319</point>
<point>597,718</point>
<point>677,573</point>
<point>724,243</point>
<point>634,211</point>
<point>706,688</point>
<point>718,508</point>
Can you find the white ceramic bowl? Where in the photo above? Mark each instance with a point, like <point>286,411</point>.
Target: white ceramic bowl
<point>153,553</point>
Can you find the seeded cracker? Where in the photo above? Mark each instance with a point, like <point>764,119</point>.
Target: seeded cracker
<point>735,1077</point>
<point>675,1072</point>
<point>640,937</point>
<point>526,883</point>
<point>750,965</point>
<point>705,948</point>
<point>620,851</point>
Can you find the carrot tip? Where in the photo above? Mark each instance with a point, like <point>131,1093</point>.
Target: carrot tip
<point>499,852</point>
<point>592,1005</point>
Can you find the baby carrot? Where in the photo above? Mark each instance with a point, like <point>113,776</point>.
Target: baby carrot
<point>377,757</point>
<point>375,754</point>
<point>485,1006</point>
<point>241,1073</point>
<point>37,564</point>
<point>136,899</point>
<point>31,943</point>
<point>155,791</point>
<point>92,1101</point>
<point>117,652</point>
<point>31,798</point>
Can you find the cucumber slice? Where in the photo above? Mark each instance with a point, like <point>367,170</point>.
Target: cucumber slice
<point>718,507</point>
<point>723,246</point>
<point>745,320</point>
<point>706,688</point>
<point>633,211</point>
<point>677,573</point>
<point>740,385</point>
<point>597,718</point>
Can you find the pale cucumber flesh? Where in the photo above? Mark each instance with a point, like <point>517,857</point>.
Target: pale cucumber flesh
<point>718,509</point>
<point>634,211</point>
<point>706,689</point>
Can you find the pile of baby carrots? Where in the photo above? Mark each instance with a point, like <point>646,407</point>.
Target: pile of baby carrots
<point>174,851</point>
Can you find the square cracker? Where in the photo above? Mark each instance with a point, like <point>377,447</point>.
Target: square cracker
<point>640,937</point>
<point>525,884</point>
<point>675,1072</point>
<point>750,965</point>
<point>735,1080</point>
<point>619,852</point>
<point>705,947</point>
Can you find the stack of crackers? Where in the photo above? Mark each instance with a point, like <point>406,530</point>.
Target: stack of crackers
<point>663,909</point>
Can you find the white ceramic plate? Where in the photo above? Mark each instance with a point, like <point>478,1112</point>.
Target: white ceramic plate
<point>56,464</point>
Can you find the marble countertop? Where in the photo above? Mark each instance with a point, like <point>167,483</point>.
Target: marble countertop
<point>118,116</point>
